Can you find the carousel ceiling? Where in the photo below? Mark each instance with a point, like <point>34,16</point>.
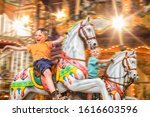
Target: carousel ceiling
<point>19,2</point>
<point>140,33</point>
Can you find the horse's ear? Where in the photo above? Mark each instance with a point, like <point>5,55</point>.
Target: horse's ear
<point>87,20</point>
<point>132,53</point>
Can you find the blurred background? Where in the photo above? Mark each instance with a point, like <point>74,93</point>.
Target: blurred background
<point>19,19</point>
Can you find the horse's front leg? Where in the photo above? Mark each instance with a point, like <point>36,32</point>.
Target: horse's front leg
<point>88,86</point>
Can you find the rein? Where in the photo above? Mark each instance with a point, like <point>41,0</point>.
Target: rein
<point>63,56</point>
<point>107,77</point>
<point>112,86</point>
<point>126,69</point>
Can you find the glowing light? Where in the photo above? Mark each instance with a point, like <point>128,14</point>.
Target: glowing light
<point>20,28</point>
<point>133,89</point>
<point>17,24</point>
<point>25,19</point>
<point>118,23</point>
<point>60,15</point>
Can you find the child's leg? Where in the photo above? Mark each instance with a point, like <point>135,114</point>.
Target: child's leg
<point>55,95</point>
<point>48,75</point>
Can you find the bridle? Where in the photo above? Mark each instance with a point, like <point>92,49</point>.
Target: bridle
<point>81,29</point>
<point>114,85</point>
<point>127,68</point>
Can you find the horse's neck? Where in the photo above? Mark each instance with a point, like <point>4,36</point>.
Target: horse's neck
<point>74,46</point>
<point>116,71</point>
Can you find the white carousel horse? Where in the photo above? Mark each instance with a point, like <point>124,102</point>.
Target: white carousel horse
<point>119,76</point>
<point>74,47</point>
<point>82,34</point>
<point>24,85</point>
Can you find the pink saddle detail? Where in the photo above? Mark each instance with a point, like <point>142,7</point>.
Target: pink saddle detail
<point>75,63</point>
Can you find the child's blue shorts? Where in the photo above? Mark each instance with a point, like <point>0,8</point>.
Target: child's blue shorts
<point>42,64</point>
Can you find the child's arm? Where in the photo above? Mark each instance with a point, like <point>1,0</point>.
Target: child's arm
<point>59,40</point>
<point>104,61</point>
<point>21,48</point>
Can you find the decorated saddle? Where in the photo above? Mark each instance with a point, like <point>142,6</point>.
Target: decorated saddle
<point>23,80</point>
<point>30,77</point>
<point>68,66</point>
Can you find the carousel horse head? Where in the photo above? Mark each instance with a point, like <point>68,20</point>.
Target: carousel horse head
<point>80,36</point>
<point>124,68</point>
<point>87,33</point>
<point>83,34</point>
<point>130,65</point>
<point>121,73</point>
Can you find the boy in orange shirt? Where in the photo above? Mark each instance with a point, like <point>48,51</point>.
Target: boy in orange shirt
<point>41,52</point>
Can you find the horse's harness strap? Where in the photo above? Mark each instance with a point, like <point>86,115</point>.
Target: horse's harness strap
<point>106,77</point>
<point>73,58</point>
<point>85,34</point>
<point>117,89</point>
<point>113,87</point>
<point>128,66</point>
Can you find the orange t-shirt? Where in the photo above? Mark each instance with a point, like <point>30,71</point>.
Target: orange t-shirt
<point>40,50</point>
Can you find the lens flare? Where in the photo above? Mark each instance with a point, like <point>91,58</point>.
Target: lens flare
<point>118,23</point>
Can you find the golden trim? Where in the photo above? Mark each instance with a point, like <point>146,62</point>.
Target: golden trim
<point>32,79</point>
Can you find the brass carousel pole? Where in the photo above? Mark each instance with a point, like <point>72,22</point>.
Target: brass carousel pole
<point>37,13</point>
<point>77,9</point>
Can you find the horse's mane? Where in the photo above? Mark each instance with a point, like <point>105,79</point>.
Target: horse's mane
<point>120,56</point>
<point>73,45</point>
<point>71,33</point>
<point>71,29</point>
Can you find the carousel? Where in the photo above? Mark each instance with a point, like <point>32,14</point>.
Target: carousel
<point>117,29</point>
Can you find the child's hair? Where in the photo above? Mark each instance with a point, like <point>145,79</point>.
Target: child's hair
<point>43,30</point>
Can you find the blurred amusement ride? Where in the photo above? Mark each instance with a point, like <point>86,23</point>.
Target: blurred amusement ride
<point>119,25</point>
